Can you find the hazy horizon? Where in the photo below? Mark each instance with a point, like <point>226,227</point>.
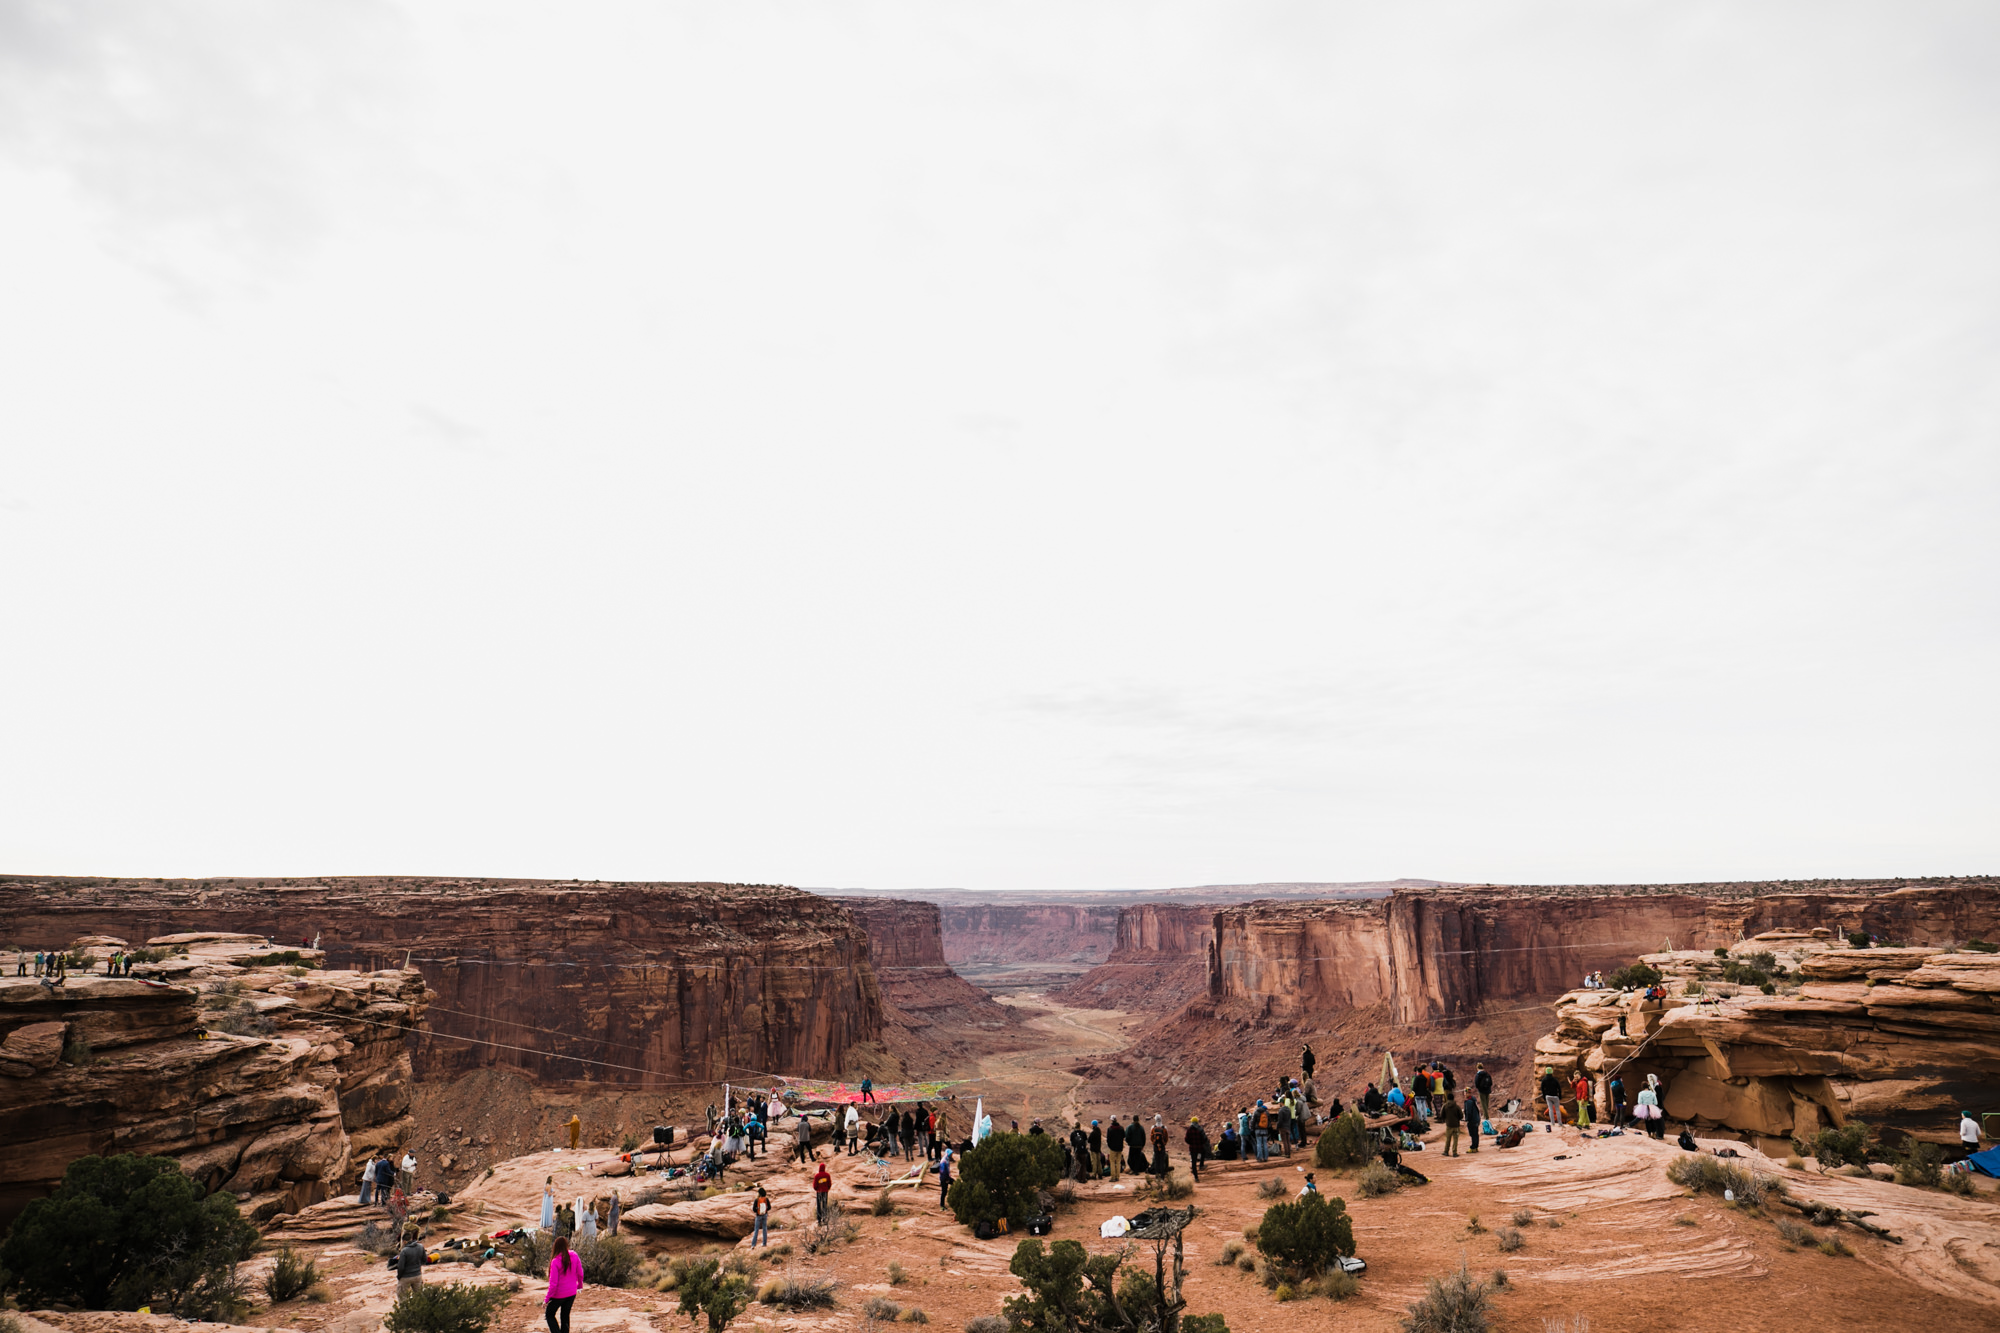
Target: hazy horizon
<point>1055,447</point>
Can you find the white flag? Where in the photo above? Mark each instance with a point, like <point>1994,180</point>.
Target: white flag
<point>978,1120</point>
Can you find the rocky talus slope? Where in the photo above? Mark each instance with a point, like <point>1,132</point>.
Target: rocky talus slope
<point>570,982</point>
<point>1901,1037</point>
<point>263,1073</point>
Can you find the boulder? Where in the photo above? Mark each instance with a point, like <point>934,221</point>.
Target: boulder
<point>34,1046</point>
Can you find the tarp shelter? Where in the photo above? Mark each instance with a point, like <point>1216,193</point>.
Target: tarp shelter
<point>1986,1163</point>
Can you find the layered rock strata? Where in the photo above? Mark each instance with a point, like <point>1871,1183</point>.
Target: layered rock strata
<point>1161,959</point>
<point>625,984</point>
<point>1902,1037</point>
<point>1014,935</point>
<point>1431,954</point>
<point>931,1016</point>
<point>262,1077</point>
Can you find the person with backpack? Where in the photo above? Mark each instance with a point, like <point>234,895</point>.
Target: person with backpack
<point>1159,1139</point>
<point>565,1281</point>
<point>1618,1109</point>
<point>1260,1125</point>
<point>1420,1091</point>
<point>944,1178</point>
<point>1552,1095</point>
<point>760,1219</point>
<point>1482,1082</point>
<point>1472,1118</point>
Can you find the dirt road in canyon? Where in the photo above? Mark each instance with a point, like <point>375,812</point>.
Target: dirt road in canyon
<point>1020,1085</point>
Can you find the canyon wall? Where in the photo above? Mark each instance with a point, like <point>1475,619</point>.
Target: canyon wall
<point>1446,953</point>
<point>1049,933</point>
<point>931,1016</point>
<point>623,984</point>
<point>1159,960</point>
<point>263,1078</point>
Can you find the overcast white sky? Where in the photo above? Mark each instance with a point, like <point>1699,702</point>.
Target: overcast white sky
<point>1011,446</point>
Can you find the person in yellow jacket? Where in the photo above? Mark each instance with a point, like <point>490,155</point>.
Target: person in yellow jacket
<point>575,1130</point>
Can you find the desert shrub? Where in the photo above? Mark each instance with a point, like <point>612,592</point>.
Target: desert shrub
<point>1685,1221</point>
<point>1921,1164</point>
<point>1203,1323</point>
<point>1795,1233</point>
<point>1510,1239</point>
<point>1524,1217</point>
<point>897,1277</point>
<point>1579,1324</point>
<point>986,1323</point>
<point>1555,1224</point>
<point>1161,1189</point>
<point>1795,1163</point>
<point>820,1237</point>
<point>1976,945</point>
<point>706,1290</point>
<point>1376,1180</point>
<point>1062,1196</point>
<point>740,1261</point>
<point>1768,988</point>
<point>1069,1290</point>
<point>1634,975</point>
<point>630,1143</point>
<point>445,1307</point>
<point>1712,1175</point>
<point>319,1293</point>
<point>1004,1177</point>
<point>1835,1247</point>
<point>1338,1284</point>
<point>913,1315</point>
<point>1859,939</point>
<point>882,1308</point>
<point>126,1231</point>
<point>1842,1147</point>
<point>1451,1304</point>
<point>531,1257</point>
<point>291,1277</point>
<point>799,1293</point>
<point>1473,1227</point>
<point>1344,1142</point>
<point>884,1204</point>
<point>239,1020</point>
<point>1722,953</point>
<point>1499,1278</point>
<point>376,1238</point>
<point>1285,1291</point>
<point>1230,1249</point>
<point>607,1261</point>
<point>1248,1263</point>
<point>1306,1237</point>
<point>1960,1183</point>
<point>1273,1188</point>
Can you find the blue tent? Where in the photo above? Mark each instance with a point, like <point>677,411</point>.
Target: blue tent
<point>1986,1163</point>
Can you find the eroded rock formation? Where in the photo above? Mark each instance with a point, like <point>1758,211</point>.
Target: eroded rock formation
<point>1432,954</point>
<point>1161,960</point>
<point>1903,1037</point>
<point>1055,933</point>
<point>632,984</point>
<point>931,1016</point>
<point>312,1068</point>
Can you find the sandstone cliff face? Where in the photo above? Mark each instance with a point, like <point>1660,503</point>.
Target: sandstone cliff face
<point>931,1016</point>
<point>1445,953</point>
<point>111,1064</point>
<point>1903,1037</point>
<point>1031,933</point>
<point>626,984</point>
<point>1160,961</point>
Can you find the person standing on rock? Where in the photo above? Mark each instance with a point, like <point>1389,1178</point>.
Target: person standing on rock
<point>1307,1061</point>
<point>1482,1083</point>
<point>1471,1109</point>
<point>385,1180</point>
<point>1648,1108</point>
<point>760,1219</point>
<point>367,1195</point>
<point>611,1218</point>
<point>924,1131</point>
<point>586,1219</point>
<point>823,1190</point>
<point>1260,1127</point>
<point>1552,1095</point>
<point>851,1127</point>
<point>907,1131</point>
<point>406,1177</point>
<point>1114,1151</point>
<point>802,1138</point>
<point>944,1178</point>
<point>1583,1099</point>
<point>1618,1112</point>
<point>549,1204</point>
<point>1159,1138</point>
<point>867,1089</point>
<point>565,1281</point>
<point>1135,1147</point>
<point>1968,1135</point>
<point>409,1264</point>
<point>1452,1117</point>
<point>575,1128</point>
<point>1197,1146</point>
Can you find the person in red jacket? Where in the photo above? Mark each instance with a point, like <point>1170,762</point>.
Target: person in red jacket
<point>823,1186</point>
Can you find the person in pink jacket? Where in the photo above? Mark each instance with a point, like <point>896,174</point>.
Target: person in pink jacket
<point>565,1280</point>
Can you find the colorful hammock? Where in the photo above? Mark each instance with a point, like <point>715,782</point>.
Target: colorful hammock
<point>843,1094</point>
